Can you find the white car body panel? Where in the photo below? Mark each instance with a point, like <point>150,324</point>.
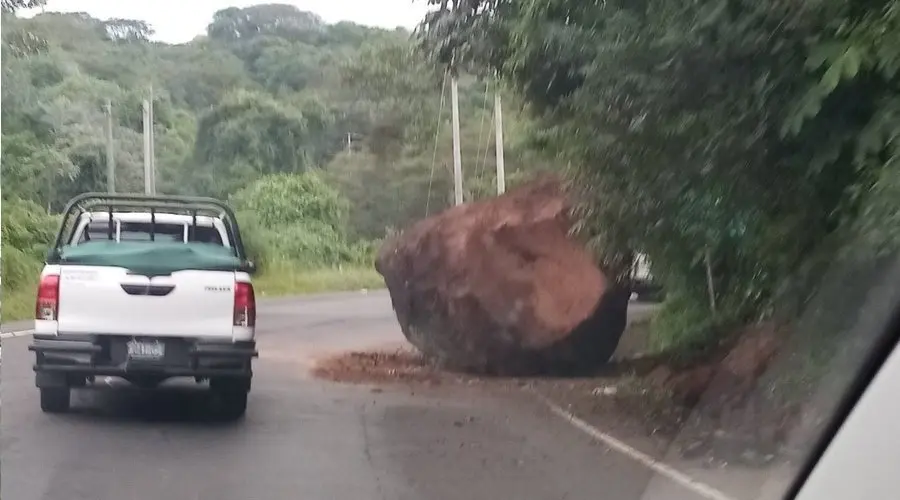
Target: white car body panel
<point>92,301</point>
<point>863,459</point>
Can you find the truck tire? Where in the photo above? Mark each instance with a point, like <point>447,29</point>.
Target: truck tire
<point>55,399</point>
<point>229,398</point>
<point>235,405</point>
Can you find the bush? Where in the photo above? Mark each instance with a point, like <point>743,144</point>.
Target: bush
<point>283,199</point>
<point>682,325</point>
<point>19,269</point>
<point>254,237</point>
<point>27,227</point>
<point>308,243</point>
<point>27,230</point>
<point>297,218</point>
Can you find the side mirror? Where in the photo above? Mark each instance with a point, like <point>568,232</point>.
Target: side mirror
<point>250,267</point>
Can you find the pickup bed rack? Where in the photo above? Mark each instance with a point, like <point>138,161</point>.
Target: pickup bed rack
<point>114,202</point>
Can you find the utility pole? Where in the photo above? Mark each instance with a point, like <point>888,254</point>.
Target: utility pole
<point>349,144</point>
<point>152,144</point>
<point>710,283</point>
<point>457,155</point>
<point>148,177</point>
<point>498,123</point>
<point>110,151</point>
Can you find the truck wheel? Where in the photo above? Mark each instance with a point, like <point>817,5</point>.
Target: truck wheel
<point>230,398</point>
<point>55,399</point>
<point>235,405</point>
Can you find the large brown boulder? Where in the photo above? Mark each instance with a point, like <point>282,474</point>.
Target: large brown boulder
<point>499,286</point>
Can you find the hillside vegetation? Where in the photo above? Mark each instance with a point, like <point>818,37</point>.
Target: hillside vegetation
<point>323,136</point>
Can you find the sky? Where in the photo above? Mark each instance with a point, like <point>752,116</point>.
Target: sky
<point>175,22</point>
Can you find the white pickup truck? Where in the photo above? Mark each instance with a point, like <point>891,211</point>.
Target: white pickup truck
<point>643,285</point>
<point>146,288</point>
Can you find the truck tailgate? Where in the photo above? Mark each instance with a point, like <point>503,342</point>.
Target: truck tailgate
<point>109,300</point>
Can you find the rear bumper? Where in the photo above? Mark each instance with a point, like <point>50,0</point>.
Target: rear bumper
<point>58,358</point>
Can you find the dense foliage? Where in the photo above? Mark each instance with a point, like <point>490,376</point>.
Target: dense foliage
<point>297,218</point>
<point>737,142</point>
<point>324,136</point>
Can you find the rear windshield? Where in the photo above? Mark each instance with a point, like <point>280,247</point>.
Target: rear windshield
<point>141,231</point>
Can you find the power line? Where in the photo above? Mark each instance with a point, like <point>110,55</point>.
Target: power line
<point>437,133</point>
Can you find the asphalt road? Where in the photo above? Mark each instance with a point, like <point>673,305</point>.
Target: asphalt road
<point>304,438</point>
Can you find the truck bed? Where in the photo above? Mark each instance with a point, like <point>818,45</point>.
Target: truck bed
<point>147,289</point>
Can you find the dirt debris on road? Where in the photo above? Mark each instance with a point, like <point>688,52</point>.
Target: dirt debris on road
<point>711,409</point>
<point>403,365</point>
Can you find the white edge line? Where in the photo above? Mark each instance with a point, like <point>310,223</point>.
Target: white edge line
<point>20,333</point>
<point>651,463</point>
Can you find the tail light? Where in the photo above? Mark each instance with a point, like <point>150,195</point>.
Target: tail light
<point>244,305</point>
<point>47,305</point>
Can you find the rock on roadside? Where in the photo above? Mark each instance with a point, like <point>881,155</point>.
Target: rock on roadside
<point>498,286</point>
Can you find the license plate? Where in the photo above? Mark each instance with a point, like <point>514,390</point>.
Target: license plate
<point>145,350</point>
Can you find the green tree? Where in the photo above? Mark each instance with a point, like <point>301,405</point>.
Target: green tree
<point>11,6</point>
<point>247,135</point>
<point>728,140</point>
<point>284,199</point>
<point>298,217</point>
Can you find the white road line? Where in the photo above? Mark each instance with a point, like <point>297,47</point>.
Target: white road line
<point>702,489</point>
<point>20,333</point>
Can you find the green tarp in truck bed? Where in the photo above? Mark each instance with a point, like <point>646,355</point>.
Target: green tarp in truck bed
<point>150,258</point>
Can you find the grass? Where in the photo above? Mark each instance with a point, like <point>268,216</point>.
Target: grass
<point>277,279</point>
<point>18,304</point>
<point>284,278</point>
